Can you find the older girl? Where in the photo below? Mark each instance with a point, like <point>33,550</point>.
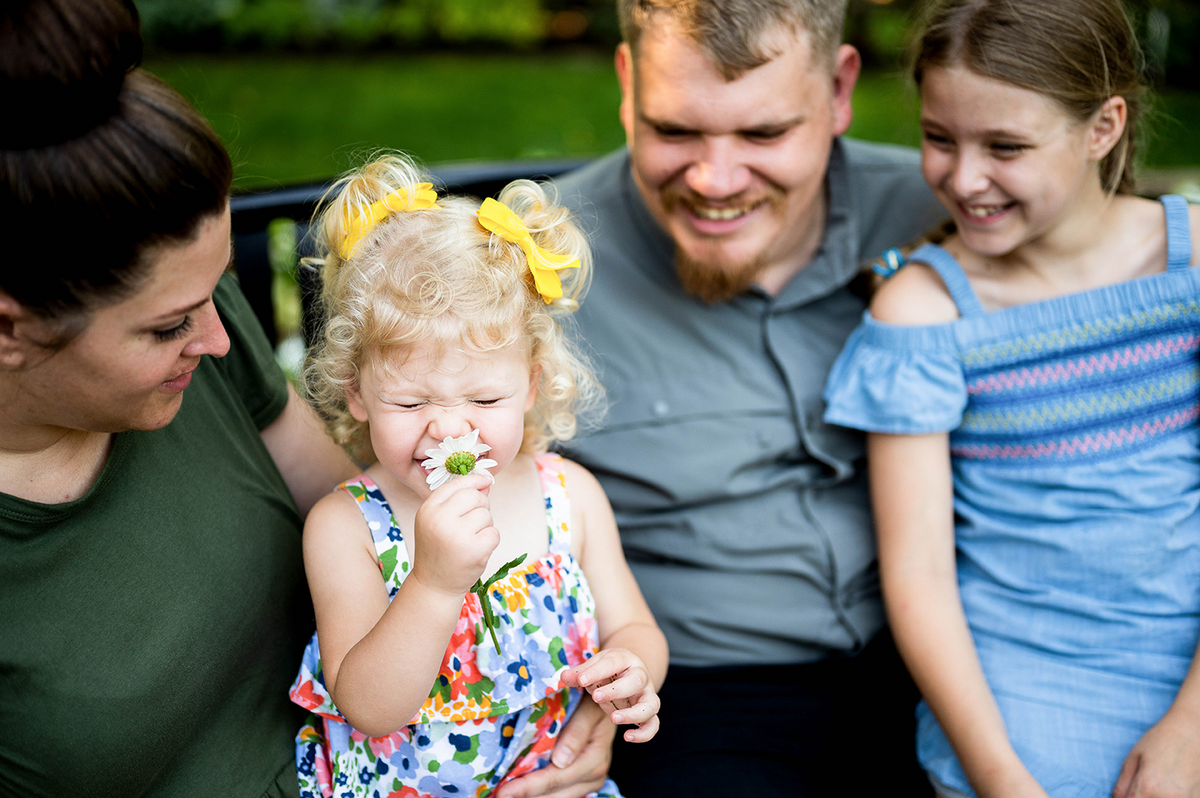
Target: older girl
<point>1031,391</point>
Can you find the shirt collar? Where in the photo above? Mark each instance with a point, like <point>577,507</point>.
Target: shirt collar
<point>835,261</point>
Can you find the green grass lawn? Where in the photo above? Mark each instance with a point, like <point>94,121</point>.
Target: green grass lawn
<point>294,118</point>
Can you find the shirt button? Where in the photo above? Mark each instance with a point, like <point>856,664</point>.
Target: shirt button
<point>660,408</point>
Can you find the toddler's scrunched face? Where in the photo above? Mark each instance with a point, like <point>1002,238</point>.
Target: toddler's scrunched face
<point>435,406</point>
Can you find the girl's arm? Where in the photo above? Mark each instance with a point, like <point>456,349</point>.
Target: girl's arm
<point>624,676</point>
<point>912,497</point>
<point>379,659</point>
<point>1166,761</point>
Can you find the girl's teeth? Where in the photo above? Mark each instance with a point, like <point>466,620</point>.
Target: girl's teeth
<point>980,212</point>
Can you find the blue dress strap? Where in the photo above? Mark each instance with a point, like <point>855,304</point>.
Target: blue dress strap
<point>952,275</point>
<point>1179,232</point>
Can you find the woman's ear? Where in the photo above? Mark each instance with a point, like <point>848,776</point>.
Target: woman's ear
<point>14,347</point>
<point>1108,125</point>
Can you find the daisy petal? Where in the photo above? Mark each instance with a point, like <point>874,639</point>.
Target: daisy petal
<point>469,443</point>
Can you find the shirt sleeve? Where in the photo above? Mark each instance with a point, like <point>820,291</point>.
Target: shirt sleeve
<point>900,380</point>
<point>250,365</point>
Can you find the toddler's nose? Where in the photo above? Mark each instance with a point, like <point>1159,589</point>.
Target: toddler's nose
<point>449,422</point>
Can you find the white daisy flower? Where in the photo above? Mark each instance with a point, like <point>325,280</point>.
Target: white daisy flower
<point>457,457</point>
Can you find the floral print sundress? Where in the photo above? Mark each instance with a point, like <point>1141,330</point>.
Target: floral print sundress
<point>489,718</point>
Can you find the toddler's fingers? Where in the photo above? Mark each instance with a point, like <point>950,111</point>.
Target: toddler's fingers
<point>642,733</point>
<point>472,483</point>
<point>626,685</point>
<point>601,668</point>
<point>638,712</point>
<point>463,501</point>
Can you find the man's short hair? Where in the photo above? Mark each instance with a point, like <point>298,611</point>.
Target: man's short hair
<point>732,32</point>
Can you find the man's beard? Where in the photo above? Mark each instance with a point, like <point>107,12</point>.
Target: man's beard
<point>715,282</point>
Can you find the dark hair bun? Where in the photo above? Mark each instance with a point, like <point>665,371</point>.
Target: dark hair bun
<point>62,65</point>
<point>101,163</point>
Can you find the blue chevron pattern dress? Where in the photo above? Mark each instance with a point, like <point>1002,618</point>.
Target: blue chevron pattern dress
<point>1076,462</point>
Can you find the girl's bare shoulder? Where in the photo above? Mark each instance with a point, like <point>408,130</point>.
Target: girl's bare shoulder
<point>915,295</point>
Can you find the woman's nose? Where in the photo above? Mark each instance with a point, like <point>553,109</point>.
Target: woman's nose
<point>209,337</point>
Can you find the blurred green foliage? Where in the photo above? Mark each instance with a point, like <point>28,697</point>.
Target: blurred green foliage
<point>296,118</point>
<point>292,118</point>
<point>1169,31</point>
<point>881,29</point>
<point>322,25</point>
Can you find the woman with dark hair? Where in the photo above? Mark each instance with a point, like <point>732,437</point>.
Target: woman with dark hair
<point>155,467</point>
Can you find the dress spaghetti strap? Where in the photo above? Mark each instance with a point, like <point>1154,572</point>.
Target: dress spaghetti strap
<point>558,508</point>
<point>1179,232</point>
<point>952,275</point>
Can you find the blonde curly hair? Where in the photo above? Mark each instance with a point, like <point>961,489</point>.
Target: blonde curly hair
<point>437,278</point>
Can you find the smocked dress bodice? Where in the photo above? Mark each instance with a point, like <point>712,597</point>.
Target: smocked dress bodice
<point>1076,462</point>
<point>489,716</point>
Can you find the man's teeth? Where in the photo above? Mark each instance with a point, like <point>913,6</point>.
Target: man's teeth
<point>718,214</point>
<point>980,211</point>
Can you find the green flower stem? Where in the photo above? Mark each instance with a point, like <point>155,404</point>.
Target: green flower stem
<point>481,588</point>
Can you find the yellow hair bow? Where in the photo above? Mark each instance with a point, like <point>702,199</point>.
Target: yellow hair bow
<point>359,226</point>
<point>499,219</point>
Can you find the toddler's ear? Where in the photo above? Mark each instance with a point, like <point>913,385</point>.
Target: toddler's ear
<point>355,404</point>
<point>535,376</point>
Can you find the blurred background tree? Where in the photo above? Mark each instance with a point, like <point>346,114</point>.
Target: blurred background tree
<point>1169,29</point>
<point>296,86</point>
<point>354,25</point>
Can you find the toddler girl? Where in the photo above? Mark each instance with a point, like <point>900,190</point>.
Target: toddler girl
<point>458,596</point>
<point>1030,390</point>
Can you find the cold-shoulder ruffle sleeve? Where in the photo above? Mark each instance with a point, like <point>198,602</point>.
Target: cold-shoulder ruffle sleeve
<point>896,379</point>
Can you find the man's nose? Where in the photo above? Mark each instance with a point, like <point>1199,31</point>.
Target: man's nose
<point>719,170</point>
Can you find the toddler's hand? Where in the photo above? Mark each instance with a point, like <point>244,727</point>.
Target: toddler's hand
<point>454,535</point>
<point>618,681</point>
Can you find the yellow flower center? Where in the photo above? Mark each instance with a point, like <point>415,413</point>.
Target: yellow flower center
<point>461,463</point>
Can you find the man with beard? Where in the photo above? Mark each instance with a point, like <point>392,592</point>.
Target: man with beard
<point>725,236</point>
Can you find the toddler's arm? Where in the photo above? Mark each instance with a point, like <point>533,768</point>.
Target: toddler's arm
<point>380,658</point>
<point>624,676</point>
<point>912,497</point>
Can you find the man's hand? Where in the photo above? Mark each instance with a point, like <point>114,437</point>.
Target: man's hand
<point>579,761</point>
<point>1165,763</point>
